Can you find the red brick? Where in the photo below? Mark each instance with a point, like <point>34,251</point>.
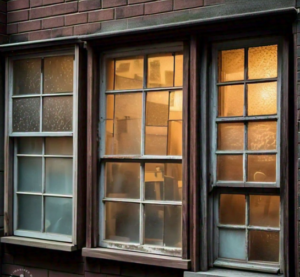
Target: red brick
<point>53,22</point>
<point>213,2</point>
<point>29,26</point>
<point>17,5</point>
<point>45,34</point>
<point>101,15</point>
<point>19,37</point>
<point>40,12</point>
<point>179,4</point>
<point>87,28</point>
<point>51,2</point>
<point>2,17</point>
<point>129,11</point>
<point>159,7</point>
<point>62,32</point>
<point>3,6</point>
<point>62,274</point>
<point>29,272</point>
<point>76,19</point>
<point>65,8</point>
<point>17,16</point>
<point>36,3</point>
<point>3,28</point>
<point>89,5</point>
<point>138,1</point>
<point>113,3</point>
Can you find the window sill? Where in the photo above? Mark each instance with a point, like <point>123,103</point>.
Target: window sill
<point>136,257</point>
<point>53,245</point>
<point>215,272</point>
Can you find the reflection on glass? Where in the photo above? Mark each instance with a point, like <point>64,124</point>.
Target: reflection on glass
<point>262,98</point>
<point>157,110</point>
<point>262,168</point>
<point>59,146</point>
<point>231,65</point>
<point>230,167</point>
<point>156,140</point>
<point>110,74</point>
<point>154,224</point>
<point>172,226</point>
<point>122,180</point>
<point>262,62</point>
<point>231,100</point>
<point>231,136</point>
<point>30,145</point>
<point>122,221</point>
<point>232,209</point>
<point>262,135</point>
<point>175,112</point>
<point>264,210</point>
<point>178,70</point>
<point>175,138</point>
<point>263,246</point>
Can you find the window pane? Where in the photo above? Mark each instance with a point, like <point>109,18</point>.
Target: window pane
<point>231,136</point>
<point>59,146</point>
<point>30,145</point>
<point>27,76</point>
<point>230,167</point>
<point>262,168</point>
<point>129,73</point>
<point>262,98</point>
<point>110,106</point>
<point>263,246</point>
<point>175,138</point>
<point>122,221</point>
<point>232,244</point>
<point>58,74</point>
<point>156,140</point>
<point>160,71</point>
<point>26,115</point>
<point>175,105</point>
<point>58,215</point>
<point>264,210</point>
<point>29,174</point>
<point>231,65</point>
<point>232,209</point>
<point>262,135</point>
<point>30,212</point>
<point>110,74</point>
<point>58,114</point>
<point>154,224</point>
<point>157,108</point>
<point>231,100</point>
<point>172,226</point>
<point>178,70</point>
<point>122,180</point>
<point>262,62</point>
<point>59,176</point>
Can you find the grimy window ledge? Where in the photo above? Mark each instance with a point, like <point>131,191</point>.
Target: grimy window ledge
<point>215,272</point>
<point>136,257</point>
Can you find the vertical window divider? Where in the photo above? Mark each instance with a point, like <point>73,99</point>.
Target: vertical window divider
<point>43,184</point>
<point>247,197</point>
<point>41,96</point>
<point>142,198</point>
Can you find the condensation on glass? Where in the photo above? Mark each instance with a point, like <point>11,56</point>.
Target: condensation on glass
<point>230,167</point>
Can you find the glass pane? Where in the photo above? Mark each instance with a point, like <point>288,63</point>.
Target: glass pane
<point>160,71</point>
<point>58,215</point>
<point>154,224</point>
<point>129,73</point>
<point>262,135</point>
<point>122,180</point>
<point>263,246</point>
<point>59,176</point>
<point>231,65</point>
<point>27,76</point>
<point>175,138</point>
<point>231,100</point>
<point>29,174</point>
<point>110,106</point>
<point>264,210</point>
<point>230,167</point>
<point>163,181</point>
<point>59,146</point>
<point>58,74</point>
<point>178,70</point>
<point>231,136</point>
<point>232,244</point>
<point>262,168</point>
<point>109,137</point>
<point>175,105</point>
<point>262,98</point>
<point>172,224</point>
<point>30,212</point>
<point>30,145</point>
<point>157,108</point>
<point>232,209</point>
<point>26,115</point>
<point>110,74</point>
<point>156,140</point>
<point>58,114</point>
<point>122,222</point>
<point>262,62</point>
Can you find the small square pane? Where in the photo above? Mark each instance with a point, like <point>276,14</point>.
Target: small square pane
<point>231,136</point>
<point>173,226</point>
<point>157,108</point>
<point>230,167</point>
<point>175,138</point>
<point>154,224</point>
<point>232,209</point>
<point>176,99</point>
<point>156,140</point>
<point>110,106</point>
<point>59,146</point>
<point>110,74</point>
<point>261,168</point>
<point>30,145</point>
<point>178,70</point>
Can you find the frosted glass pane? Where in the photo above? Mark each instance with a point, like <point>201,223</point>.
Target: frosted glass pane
<point>59,176</point>
<point>231,65</point>
<point>231,100</point>
<point>262,62</point>
<point>175,105</point>
<point>154,224</point>
<point>232,209</point>
<point>231,136</point>
<point>262,98</point>
<point>110,106</point>
<point>160,71</point>
<point>178,70</point>
<point>58,74</point>
<point>122,180</point>
<point>230,167</point>
<point>59,146</point>
<point>58,114</point>
<point>263,246</point>
<point>26,115</point>
<point>30,145</point>
<point>30,212</point>
<point>110,74</point>
<point>157,108</point>
<point>262,168</point>
<point>262,135</point>
<point>264,210</point>
<point>175,138</point>
<point>29,174</point>
<point>27,76</point>
<point>129,73</point>
<point>122,222</point>
<point>58,215</point>
<point>172,226</point>
<point>156,140</point>
<point>232,244</point>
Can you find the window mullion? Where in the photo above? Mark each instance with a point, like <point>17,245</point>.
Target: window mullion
<point>142,190</point>
<point>247,224</point>
<point>41,93</point>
